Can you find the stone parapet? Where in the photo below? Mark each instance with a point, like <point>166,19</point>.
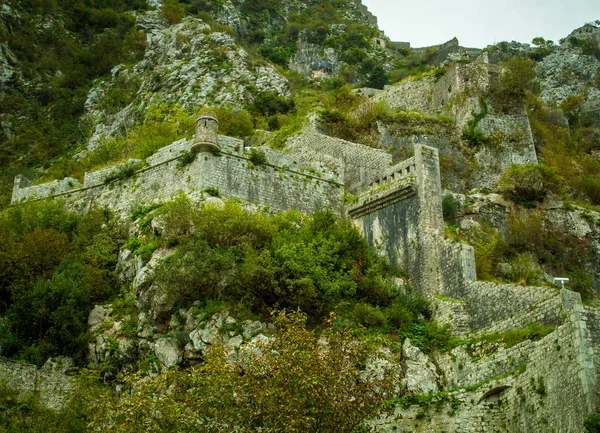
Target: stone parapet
<point>283,182</point>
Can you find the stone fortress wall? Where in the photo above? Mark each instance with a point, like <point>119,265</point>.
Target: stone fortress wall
<point>284,182</point>
<point>398,208</point>
<point>458,94</point>
<point>536,386</point>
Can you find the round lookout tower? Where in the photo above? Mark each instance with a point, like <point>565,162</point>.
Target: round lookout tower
<point>207,134</point>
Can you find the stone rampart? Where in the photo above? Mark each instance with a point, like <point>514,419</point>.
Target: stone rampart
<point>104,175</point>
<point>24,190</point>
<point>401,170</point>
<point>548,312</point>
<point>402,214</point>
<point>489,302</point>
<point>409,95</point>
<point>284,182</point>
<point>359,164</point>
<point>517,390</point>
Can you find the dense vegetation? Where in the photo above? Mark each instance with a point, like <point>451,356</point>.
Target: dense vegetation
<point>260,263</point>
<point>54,267</point>
<point>60,48</point>
<point>294,382</point>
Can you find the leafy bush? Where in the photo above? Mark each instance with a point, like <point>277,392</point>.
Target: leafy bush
<point>359,126</point>
<point>292,380</point>
<point>257,157</point>
<point>489,248</point>
<point>173,12</point>
<point>525,231</point>
<point>525,269</point>
<point>530,183</point>
<point>542,48</point>
<point>269,103</point>
<point>59,264</point>
<point>588,46</point>
<point>450,208</point>
<point>590,186</point>
<point>212,191</point>
<point>514,83</point>
<point>120,94</point>
<point>592,422</point>
<point>530,241</point>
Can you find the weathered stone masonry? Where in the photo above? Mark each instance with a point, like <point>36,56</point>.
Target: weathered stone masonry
<point>289,183</point>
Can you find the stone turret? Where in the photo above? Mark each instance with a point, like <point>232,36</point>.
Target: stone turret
<point>207,134</point>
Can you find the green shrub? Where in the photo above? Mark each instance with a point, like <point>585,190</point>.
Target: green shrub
<point>542,48</point>
<point>120,94</point>
<point>592,422</point>
<point>525,269</point>
<point>257,157</point>
<point>172,12</point>
<point>186,158</point>
<point>450,208</point>
<point>269,103</point>
<point>489,249</point>
<point>369,316</point>
<point>590,186</point>
<point>212,191</point>
<point>514,83</point>
<point>588,46</point>
<point>530,183</point>
<point>177,219</point>
<point>146,249</point>
<point>53,266</point>
<point>525,231</point>
<point>123,172</point>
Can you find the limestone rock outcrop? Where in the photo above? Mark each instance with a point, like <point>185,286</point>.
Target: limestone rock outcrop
<point>187,64</point>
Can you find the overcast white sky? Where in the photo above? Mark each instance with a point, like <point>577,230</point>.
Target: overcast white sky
<point>480,23</point>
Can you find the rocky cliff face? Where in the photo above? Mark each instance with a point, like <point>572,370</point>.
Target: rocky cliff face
<point>572,68</point>
<point>187,64</point>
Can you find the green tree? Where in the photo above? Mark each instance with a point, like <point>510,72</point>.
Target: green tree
<point>293,383</point>
<point>514,83</point>
<point>530,183</point>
